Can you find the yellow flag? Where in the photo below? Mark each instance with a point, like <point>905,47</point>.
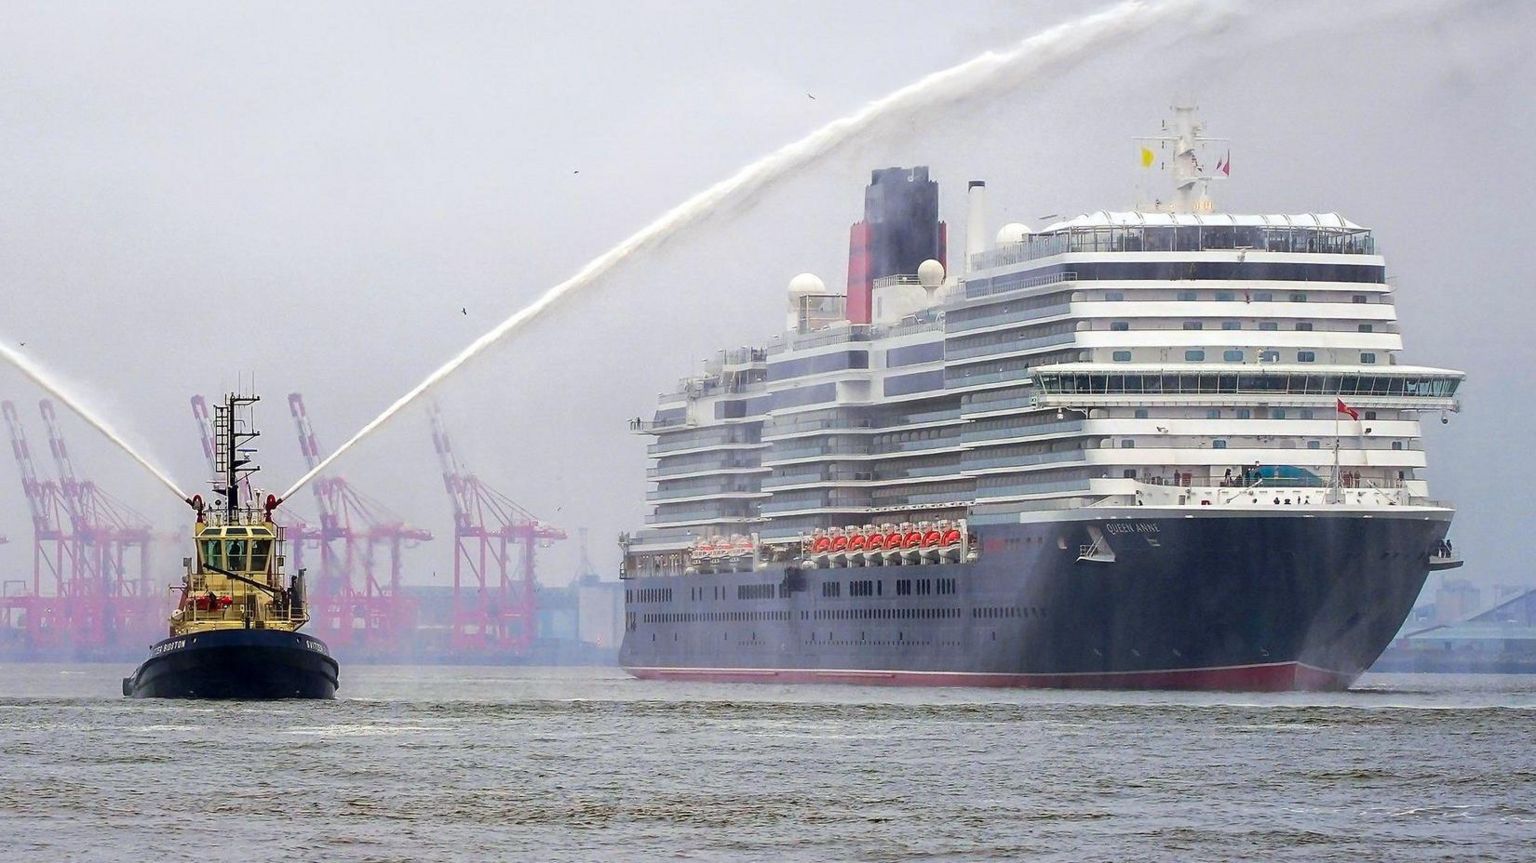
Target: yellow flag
<point>1147,156</point>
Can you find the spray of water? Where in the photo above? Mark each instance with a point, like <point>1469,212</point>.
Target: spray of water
<point>54,388</point>
<point>993,71</point>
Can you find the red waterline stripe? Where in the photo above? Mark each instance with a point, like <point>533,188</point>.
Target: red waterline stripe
<point>1268,677</point>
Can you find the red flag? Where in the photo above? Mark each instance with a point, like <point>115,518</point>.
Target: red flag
<point>1225,166</point>
<point>1346,409</point>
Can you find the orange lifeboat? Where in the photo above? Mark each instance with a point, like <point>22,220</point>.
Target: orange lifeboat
<point>875,541</point>
<point>951,537</point>
<point>858,542</point>
<point>913,539</point>
<point>840,542</point>
<point>932,538</point>
<point>821,544</point>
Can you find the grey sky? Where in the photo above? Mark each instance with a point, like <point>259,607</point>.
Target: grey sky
<point>337,182</point>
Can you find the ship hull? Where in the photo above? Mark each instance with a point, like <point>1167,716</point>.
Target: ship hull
<point>1287,600</point>
<point>237,664</point>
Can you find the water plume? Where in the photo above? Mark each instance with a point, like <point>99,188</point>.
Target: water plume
<point>27,367</point>
<point>992,71</point>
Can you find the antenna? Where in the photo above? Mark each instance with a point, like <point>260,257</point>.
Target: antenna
<point>1191,181</point>
<point>232,436</point>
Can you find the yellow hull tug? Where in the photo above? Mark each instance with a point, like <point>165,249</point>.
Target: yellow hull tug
<point>235,631</point>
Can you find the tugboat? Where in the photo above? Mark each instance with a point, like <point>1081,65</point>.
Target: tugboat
<point>235,630</point>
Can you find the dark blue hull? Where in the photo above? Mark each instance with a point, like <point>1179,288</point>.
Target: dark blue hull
<point>236,663</point>
<point>1218,600</point>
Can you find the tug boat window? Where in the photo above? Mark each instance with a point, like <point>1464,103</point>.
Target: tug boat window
<point>261,549</point>
<point>213,553</point>
<point>235,552</point>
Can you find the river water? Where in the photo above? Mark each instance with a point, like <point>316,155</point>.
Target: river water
<point>445,763</point>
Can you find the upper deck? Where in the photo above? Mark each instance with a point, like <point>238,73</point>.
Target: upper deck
<point>1107,232</point>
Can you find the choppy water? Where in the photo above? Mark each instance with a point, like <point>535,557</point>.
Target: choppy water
<point>583,764</point>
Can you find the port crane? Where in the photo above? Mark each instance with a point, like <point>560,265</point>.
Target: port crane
<point>91,587</point>
<point>494,596</point>
<point>352,606</point>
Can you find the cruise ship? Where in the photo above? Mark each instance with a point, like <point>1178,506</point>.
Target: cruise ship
<point>1165,448</point>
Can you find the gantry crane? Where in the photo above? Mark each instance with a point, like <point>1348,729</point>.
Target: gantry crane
<point>494,599</point>
<point>92,591</point>
<point>351,603</point>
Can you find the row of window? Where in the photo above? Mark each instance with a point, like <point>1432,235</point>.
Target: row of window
<point>1263,413</point>
<point>886,614</point>
<point>985,613</point>
<point>714,616</point>
<point>1264,326</point>
<point>648,594</point>
<point>755,591</point>
<point>1237,355</point>
<point>1220,443</point>
<point>1231,296</point>
<point>1257,381</point>
<point>1007,611</point>
<point>1311,444</point>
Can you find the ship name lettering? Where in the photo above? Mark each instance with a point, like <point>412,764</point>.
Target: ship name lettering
<point>169,646</point>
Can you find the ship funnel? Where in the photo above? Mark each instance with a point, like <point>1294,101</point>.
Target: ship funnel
<point>975,221</point>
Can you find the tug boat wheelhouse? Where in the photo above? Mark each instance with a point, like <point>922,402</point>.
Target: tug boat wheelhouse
<point>1166,448</point>
<point>235,630</point>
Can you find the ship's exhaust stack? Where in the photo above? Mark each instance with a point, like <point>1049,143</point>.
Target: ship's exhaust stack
<point>900,230</point>
<point>975,221</point>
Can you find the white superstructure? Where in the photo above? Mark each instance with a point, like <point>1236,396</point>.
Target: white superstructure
<point>1174,357</point>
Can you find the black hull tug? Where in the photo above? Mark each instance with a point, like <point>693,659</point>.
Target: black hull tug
<point>235,631</point>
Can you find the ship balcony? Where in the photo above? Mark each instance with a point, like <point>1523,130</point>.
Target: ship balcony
<point>690,495</point>
<point>643,426</point>
<point>703,469</point>
<point>957,382</point>
<point>1006,348</point>
<point>958,325</point>
<point>979,437</point>
<point>693,446</point>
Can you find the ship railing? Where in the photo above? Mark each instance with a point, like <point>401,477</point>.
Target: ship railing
<point>1005,285</point>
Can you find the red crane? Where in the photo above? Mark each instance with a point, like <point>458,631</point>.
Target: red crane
<point>112,601</point>
<point>350,602</point>
<point>52,543</point>
<point>496,614</point>
<point>91,588</point>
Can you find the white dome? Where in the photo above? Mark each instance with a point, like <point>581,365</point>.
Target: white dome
<point>1013,232</point>
<point>807,284</point>
<point>930,274</point>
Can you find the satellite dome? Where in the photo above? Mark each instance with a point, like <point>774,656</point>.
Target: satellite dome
<point>930,274</point>
<point>806,284</point>
<point>1013,232</point>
